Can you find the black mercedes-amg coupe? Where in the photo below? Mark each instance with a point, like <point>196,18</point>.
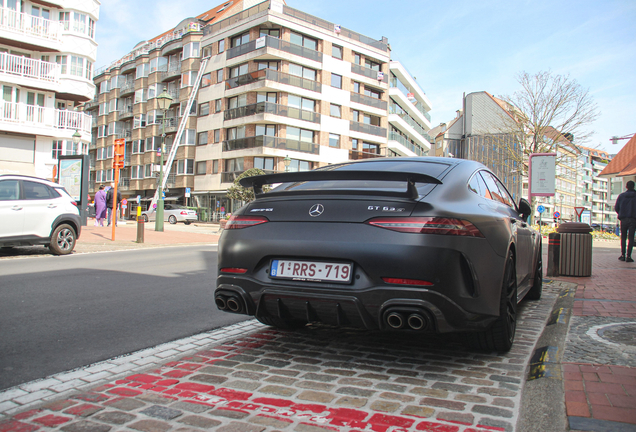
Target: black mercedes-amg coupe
<point>396,244</point>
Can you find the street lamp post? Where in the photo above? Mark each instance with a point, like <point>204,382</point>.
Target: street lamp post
<point>163,100</point>
<point>77,137</point>
<point>287,162</point>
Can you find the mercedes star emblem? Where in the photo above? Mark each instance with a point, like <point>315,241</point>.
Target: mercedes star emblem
<point>316,210</point>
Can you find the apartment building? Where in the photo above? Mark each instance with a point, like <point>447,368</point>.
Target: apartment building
<point>47,53</point>
<point>595,193</point>
<point>484,134</point>
<point>272,88</point>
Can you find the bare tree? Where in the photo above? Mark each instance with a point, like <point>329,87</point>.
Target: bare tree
<point>549,107</point>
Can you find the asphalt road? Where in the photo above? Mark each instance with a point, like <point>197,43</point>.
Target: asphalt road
<point>59,313</point>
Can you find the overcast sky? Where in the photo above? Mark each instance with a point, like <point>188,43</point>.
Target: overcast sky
<point>454,46</point>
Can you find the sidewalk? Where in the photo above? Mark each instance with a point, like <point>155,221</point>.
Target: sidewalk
<point>599,363</point>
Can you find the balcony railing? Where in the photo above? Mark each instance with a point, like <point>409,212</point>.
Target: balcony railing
<point>271,108</point>
<point>368,72</point>
<point>173,71</point>
<point>29,68</point>
<point>394,136</point>
<point>271,142</point>
<point>275,43</point>
<point>367,128</point>
<point>395,83</point>
<point>124,183</point>
<point>171,124</point>
<point>29,25</point>
<point>396,109</point>
<point>370,101</point>
<point>33,115</point>
<point>273,75</point>
<point>126,112</point>
<point>127,87</point>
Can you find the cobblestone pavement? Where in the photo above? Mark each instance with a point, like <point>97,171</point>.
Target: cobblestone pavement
<point>253,379</point>
<point>599,363</point>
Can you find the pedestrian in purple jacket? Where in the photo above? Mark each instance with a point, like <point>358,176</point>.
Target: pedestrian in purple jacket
<point>100,206</point>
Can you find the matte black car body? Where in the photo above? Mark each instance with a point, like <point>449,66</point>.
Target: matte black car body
<point>409,281</point>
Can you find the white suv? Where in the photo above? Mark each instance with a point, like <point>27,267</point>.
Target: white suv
<point>34,211</point>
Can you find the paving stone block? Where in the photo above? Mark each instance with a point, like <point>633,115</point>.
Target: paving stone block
<point>391,387</point>
<point>350,401</point>
<point>411,381</point>
<point>470,398</point>
<point>274,363</point>
<point>229,413</point>
<point>16,426</point>
<point>241,427</point>
<point>251,367</point>
<point>385,406</point>
<point>494,423</point>
<point>493,411</point>
<point>199,421</point>
<point>51,420</point>
<point>208,378</point>
<point>247,385</point>
<point>456,388</point>
<point>150,426</point>
<point>281,380</point>
<point>83,410</point>
<point>278,390</point>
<point>314,396</point>
<point>269,421</point>
<point>319,377</point>
<point>423,391</point>
<point>285,372</point>
<point>508,403</point>
<point>315,385</point>
<point>156,399</point>
<point>455,417</point>
<point>443,403</point>
<point>478,382</point>
<point>354,391</point>
<point>418,411</point>
<point>341,372</point>
<point>216,370</point>
<point>114,417</point>
<point>355,382</point>
<point>496,392</point>
<point>126,404</point>
<point>161,412</point>
<point>59,405</point>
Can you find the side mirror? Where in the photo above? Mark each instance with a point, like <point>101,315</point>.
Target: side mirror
<point>525,208</point>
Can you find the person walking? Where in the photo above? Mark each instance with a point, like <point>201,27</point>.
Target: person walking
<point>626,209</point>
<point>112,208</point>
<point>100,206</point>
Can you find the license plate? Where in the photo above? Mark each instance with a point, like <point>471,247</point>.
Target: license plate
<point>311,271</point>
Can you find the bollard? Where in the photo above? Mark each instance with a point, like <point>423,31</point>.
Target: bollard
<point>140,229</point>
<point>554,251</point>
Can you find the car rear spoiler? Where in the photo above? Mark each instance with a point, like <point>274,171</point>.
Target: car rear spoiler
<point>257,182</point>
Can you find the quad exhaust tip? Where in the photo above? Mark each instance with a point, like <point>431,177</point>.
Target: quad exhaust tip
<point>230,303</point>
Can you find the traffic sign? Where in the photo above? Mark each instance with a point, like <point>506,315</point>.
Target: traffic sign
<point>557,214</point>
<point>541,209</point>
<point>124,202</point>
<point>579,211</point>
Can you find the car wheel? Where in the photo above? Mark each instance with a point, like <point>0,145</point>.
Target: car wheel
<point>172,219</point>
<point>537,287</point>
<point>63,240</point>
<point>280,323</point>
<point>501,334</point>
<point>145,218</point>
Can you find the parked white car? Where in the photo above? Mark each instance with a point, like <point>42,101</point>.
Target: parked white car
<point>172,213</point>
<point>35,211</point>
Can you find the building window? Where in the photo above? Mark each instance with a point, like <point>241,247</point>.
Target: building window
<point>202,138</point>
<point>354,143</point>
<point>235,133</point>
<point>240,40</point>
<point>356,87</point>
<point>201,167</point>
<point>334,140</point>
<point>234,165</point>
<point>357,58</point>
<point>299,39</point>
<point>217,135</point>
<point>270,32</point>
<point>370,148</point>
<point>336,81</point>
<point>219,76</point>
<point>188,137</point>
<point>239,70</point>
<point>267,97</point>
<point>206,80</point>
<point>267,65</point>
<point>57,149</point>
<point>298,134</point>
<point>215,167</point>
<point>191,50</point>
<point>204,109</point>
<point>264,163</point>
<point>334,111</point>
<point>371,92</point>
<point>218,105</point>
<point>302,71</point>
<point>301,103</point>
<point>336,51</point>
<point>269,130</point>
<point>221,46</point>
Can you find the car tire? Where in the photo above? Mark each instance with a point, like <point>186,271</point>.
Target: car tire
<point>63,240</point>
<point>187,222</point>
<point>280,323</point>
<point>172,219</point>
<point>145,218</point>
<point>537,287</point>
<point>500,336</point>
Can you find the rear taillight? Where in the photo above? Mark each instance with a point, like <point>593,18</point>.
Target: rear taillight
<point>234,270</point>
<point>402,281</point>
<point>238,222</point>
<point>183,212</point>
<point>428,225</point>
<point>74,203</point>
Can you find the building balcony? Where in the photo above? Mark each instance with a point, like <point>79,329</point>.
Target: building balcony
<point>29,72</point>
<point>273,75</point>
<point>274,43</point>
<point>125,113</point>
<point>367,128</point>
<point>171,124</point>
<point>273,109</point>
<point>124,183</point>
<point>126,134</point>
<point>415,149</point>
<point>368,72</point>
<point>173,72</point>
<point>29,29</point>
<point>91,104</point>
<point>271,142</point>
<point>369,101</point>
<point>33,119</point>
<point>127,88</point>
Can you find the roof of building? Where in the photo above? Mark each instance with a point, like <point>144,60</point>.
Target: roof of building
<point>624,163</point>
<point>597,153</point>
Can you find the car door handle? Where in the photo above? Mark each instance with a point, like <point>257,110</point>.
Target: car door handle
<point>16,208</point>
<point>52,206</point>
